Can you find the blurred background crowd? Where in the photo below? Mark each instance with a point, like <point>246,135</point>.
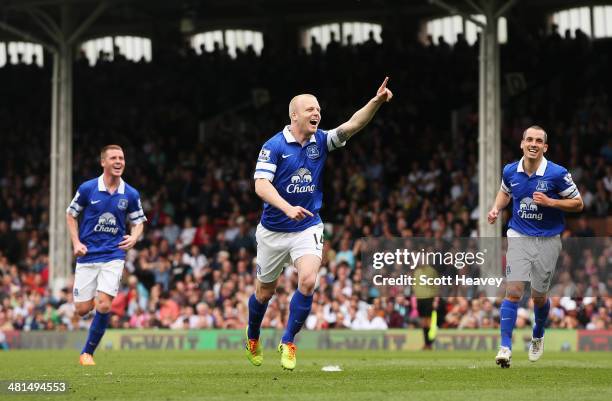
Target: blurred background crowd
<point>192,125</point>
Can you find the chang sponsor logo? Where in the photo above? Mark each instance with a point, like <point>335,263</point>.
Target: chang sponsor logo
<point>107,223</point>
<point>301,182</point>
<point>529,210</point>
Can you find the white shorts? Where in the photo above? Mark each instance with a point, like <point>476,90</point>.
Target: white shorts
<point>91,277</point>
<point>532,259</point>
<point>276,249</point>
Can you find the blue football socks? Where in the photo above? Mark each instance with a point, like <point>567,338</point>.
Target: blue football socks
<point>507,321</point>
<point>299,309</point>
<point>96,331</point>
<point>257,310</point>
<point>541,315</point>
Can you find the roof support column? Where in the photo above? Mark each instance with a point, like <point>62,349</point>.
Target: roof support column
<point>64,38</point>
<point>489,119</point>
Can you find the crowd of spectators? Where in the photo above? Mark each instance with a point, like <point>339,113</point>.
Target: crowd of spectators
<point>191,137</point>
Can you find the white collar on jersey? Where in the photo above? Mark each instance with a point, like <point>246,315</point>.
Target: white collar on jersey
<point>102,187</point>
<point>289,136</point>
<point>541,168</point>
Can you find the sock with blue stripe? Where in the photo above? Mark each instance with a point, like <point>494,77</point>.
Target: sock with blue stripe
<point>507,321</point>
<point>541,315</point>
<point>299,309</point>
<point>96,331</point>
<point>257,310</point>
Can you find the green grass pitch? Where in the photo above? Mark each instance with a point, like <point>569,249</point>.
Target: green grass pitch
<point>366,375</point>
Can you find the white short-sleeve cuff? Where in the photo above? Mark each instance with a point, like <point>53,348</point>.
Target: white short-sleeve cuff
<point>263,174</point>
<point>504,188</point>
<point>333,142</point>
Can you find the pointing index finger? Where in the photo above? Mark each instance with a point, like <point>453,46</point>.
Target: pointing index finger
<point>384,84</point>
<point>308,212</point>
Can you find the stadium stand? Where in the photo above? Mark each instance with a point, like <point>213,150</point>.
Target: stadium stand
<point>191,135</point>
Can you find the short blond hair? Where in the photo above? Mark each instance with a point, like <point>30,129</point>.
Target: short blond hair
<point>109,147</point>
<point>294,101</point>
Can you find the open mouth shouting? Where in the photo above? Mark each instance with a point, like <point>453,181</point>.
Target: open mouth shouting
<point>533,151</point>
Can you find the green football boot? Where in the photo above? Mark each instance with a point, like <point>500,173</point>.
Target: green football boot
<point>254,352</point>
<point>287,351</point>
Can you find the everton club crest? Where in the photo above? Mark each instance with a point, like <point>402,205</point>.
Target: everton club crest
<point>542,186</point>
<point>123,204</point>
<point>312,151</point>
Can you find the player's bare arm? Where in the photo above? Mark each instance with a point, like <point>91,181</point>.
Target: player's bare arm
<point>501,201</point>
<point>78,248</point>
<point>364,115</point>
<point>573,205</point>
<point>266,191</point>
<point>130,240</point>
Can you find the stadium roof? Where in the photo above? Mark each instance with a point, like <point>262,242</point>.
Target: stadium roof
<point>144,17</point>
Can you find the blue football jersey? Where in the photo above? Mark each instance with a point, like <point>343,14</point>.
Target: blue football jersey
<point>527,217</point>
<point>102,225</point>
<point>296,172</point>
